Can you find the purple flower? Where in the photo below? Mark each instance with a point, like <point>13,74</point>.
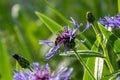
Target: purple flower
<point>118,78</point>
<point>67,37</point>
<point>112,22</point>
<point>42,73</point>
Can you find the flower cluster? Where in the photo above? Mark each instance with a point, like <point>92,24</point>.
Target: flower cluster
<point>42,73</point>
<point>112,22</point>
<point>35,72</point>
<point>67,38</point>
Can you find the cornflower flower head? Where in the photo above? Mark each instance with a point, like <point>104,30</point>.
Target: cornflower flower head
<point>67,37</point>
<point>42,73</point>
<point>111,22</point>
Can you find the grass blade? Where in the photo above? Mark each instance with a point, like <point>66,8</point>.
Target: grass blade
<point>84,54</point>
<point>113,40</point>
<point>118,6</point>
<point>58,14</point>
<point>5,67</point>
<point>52,25</point>
<point>91,62</point>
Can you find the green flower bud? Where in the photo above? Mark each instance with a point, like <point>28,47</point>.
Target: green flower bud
<point>24,63</point>
<point>90,17</point>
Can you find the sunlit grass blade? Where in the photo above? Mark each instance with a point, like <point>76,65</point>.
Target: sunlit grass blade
<point>52,25</point>
<point>84,54</point>
<point>18,67</point>
<point>99,62</point>
<point>58,13</point>
<point>119,6</point>
<point>91,62</point>
<point>105,72</point>
<point>5,67</point>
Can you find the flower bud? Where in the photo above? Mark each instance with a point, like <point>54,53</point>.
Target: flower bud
<point>90,17</point>
<point>24,63</point>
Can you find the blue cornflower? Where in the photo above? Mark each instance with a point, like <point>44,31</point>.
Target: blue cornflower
<point>118,78</point>
<point>42,73</point>
<point>67,38</point>
<point>111,22</point>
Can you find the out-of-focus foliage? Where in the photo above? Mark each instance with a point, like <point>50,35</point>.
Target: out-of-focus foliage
<point>21,30</point>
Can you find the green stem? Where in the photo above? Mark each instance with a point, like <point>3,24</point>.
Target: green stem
<point>107,58</point>
<point>93,26</point>
<point>104,50</point>
<point>83,63</point>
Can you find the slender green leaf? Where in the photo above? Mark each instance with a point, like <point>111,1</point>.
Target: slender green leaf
<point>117,45</point>
<point>58,13</point>
<point>18,67</point>
<point>113,43</point>
<point>84,54</point>
<point>5,67</point>
<point>112,56</point>
<point>105,72</point>
<point>113,75</point>
<point>106,33</point>
<point>119,6</point>
<point>91,62</point>
<point>52,25</point>
<point>113,40</point>
<point>99,62</point>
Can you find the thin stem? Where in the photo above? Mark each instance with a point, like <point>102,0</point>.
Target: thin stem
<point>93,26</point>
<point>83,63</point>
<point>107,57</point>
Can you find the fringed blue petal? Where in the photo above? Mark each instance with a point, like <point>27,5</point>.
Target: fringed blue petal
<point>67,74</point>
<point>36,66</point>
<point>47,42</point>
<point>87,27</point>
<point>113,22</point>
<point>52,52</point>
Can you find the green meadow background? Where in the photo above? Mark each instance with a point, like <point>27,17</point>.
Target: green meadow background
<point>21,30</point>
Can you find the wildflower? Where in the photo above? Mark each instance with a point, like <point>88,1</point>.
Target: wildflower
<point>118,78</point>
<point>42,73</point>
<point>111,22</point>
<point>67,38</point>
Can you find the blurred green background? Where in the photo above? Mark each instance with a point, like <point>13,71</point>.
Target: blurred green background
<point>21,30</point>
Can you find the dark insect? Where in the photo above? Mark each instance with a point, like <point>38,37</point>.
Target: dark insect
<point>24,63</point>
<point>64,37</point>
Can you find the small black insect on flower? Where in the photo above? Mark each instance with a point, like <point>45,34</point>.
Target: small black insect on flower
<point>67,37</point>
